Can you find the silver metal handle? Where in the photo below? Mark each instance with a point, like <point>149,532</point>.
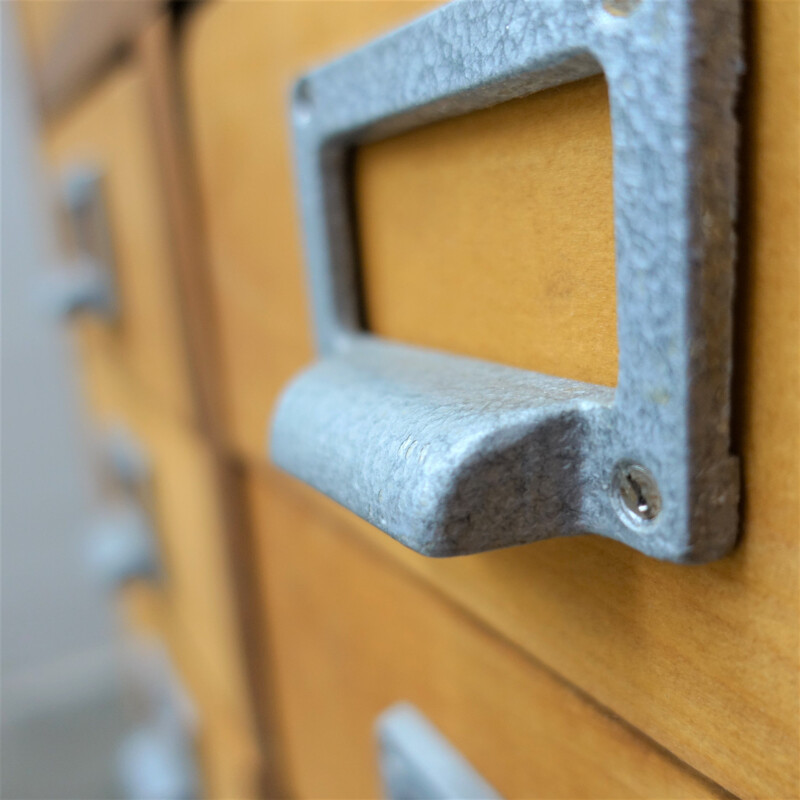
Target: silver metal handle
<point>418,763</point>
<point>84,283</point>
<point>453,455</point>
<point>121,546</point>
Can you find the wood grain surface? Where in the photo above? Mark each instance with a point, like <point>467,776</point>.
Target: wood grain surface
<point>492,235</point>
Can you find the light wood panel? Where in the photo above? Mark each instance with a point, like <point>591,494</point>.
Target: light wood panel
<point>702,659</point>
<point>155,48</point>
<point>351,634</point>
<point>230,763</point>
<point>110,129</point>
<point>492,235</point>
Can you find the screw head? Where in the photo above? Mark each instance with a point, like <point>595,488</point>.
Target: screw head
<point>636,494</point>
<point>303,100</point>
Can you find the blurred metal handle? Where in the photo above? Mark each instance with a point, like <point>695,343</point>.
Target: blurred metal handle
<point>157,762</point>
<point>121,546</point>
<point>81,286</point>
<point>418,763</point>
<point>452,455</point>
<point>86,282</point>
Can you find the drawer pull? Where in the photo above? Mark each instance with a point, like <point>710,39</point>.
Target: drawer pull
<point>85,283</point>
<point>452,455</point>
<point>418,763</point>
<point>122,542</point>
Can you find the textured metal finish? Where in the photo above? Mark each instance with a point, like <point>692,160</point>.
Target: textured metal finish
<point>418,763</point>
<point>452,455</point>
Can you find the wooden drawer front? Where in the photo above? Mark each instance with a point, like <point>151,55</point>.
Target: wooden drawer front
<point>194,600</point>
<point>230,763</point>
<point>110,130</point>
<point>198,585</point>
<point>351,634</point>
<point>68,41</point>
<point>703,659</point>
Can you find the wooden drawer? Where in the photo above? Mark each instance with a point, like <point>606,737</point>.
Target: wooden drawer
<point>109,130</point>
<point>195,598</point>
<point>199,582</point>
<point>702,659</point>
<point>230,760</point>
<point>351,634</point>
<point>191,608</point>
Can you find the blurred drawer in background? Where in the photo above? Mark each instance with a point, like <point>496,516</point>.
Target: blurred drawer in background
<point>70,41</point>
<point>190,605</point>
<point>137,376</point>
<point>196,588</point>
<point>109,131</point>
<point>39,25</point>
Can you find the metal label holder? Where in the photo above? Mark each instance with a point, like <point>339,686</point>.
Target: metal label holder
<point>452,455</point>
